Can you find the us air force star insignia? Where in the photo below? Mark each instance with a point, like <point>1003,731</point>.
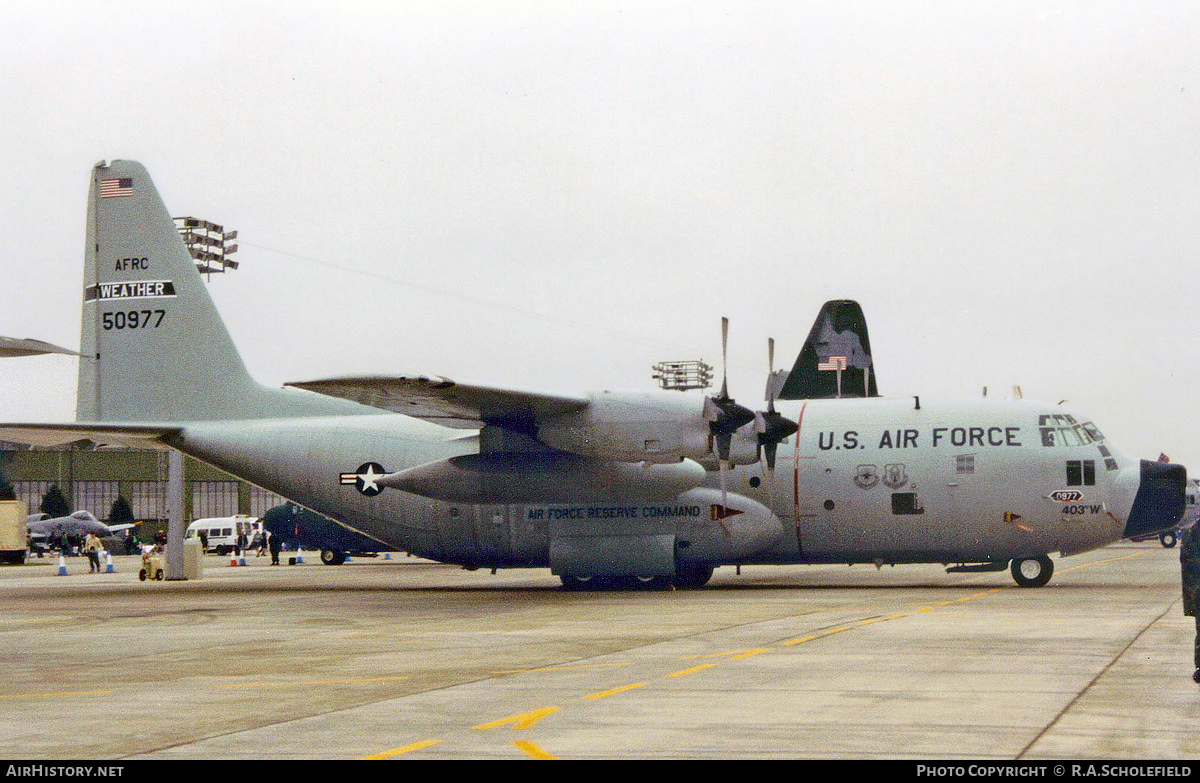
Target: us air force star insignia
<point>366,478</point>
<point>866,476</point>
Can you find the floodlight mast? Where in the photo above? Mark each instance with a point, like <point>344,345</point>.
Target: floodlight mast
<point>683,375</point>
<point>209,244</point>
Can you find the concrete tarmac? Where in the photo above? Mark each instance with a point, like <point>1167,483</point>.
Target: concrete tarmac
<point>405,659</point>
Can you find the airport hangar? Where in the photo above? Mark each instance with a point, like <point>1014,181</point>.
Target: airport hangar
<point>92,478</point>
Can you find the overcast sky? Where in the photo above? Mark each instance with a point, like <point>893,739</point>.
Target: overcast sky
<point>558,195</point>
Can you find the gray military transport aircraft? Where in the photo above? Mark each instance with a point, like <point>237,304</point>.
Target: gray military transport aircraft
<point>658,486</point>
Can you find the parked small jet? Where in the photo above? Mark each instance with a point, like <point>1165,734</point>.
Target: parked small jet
<point>300,528</point>
<point>658,486</point>
<point>45,531</point>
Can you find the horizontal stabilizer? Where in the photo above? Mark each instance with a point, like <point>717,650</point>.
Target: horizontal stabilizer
<point>445,402</point>
<point>134,435</point>
<point>836,358</point>
<point>11,346</point>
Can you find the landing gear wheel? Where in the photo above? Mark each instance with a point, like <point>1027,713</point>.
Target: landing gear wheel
<point>330,557</point>
<point>652,582</point>
<point>1168,538</point>
<point>691,577</point>
<point>577,582</point>
<point>1032,571</point>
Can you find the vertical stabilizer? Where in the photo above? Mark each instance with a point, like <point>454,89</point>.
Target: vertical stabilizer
<point>153,346</point>
<point>836,359</point>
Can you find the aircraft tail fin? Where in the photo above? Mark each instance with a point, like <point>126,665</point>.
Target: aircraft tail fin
<point>153,346</point>
<point>836,358</point>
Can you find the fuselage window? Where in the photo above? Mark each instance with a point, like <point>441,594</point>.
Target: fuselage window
<point>1062,430</point>
<point>1081,473</point>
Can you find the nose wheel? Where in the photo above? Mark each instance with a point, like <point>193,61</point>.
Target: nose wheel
<point>1032,571</point>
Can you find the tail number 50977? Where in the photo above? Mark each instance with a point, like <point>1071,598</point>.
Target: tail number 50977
<point>132,319</point>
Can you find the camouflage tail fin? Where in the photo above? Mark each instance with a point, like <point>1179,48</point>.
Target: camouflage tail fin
<point>836,358</point>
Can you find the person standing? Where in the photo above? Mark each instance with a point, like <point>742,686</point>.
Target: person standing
<point>1189,563</point>
<point>92,546</point>
<point>274,544</point>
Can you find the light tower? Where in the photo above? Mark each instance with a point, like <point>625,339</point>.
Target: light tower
<point>209,244</point>
<point>684,375</point>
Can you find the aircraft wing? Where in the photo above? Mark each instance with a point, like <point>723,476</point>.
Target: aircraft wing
<point>446,402</point>
<point>135,435</point>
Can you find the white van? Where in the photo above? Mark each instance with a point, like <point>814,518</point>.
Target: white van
<point>221,533</point>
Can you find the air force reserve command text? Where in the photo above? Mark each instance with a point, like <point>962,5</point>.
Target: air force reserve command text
<point>62,771</point>
<point>1119,770</point>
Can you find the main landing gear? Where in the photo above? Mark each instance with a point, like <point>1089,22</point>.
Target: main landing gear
<point>687,577</point>
<point>1032,571</point>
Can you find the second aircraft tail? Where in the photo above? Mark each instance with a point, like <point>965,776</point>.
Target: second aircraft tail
<point>836,358</point>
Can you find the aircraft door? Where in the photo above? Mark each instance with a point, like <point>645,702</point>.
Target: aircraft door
<point>836,515</point>
<point>808,485</point>
<point>961,521</point>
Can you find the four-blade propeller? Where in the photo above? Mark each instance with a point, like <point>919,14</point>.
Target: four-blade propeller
<point>772,427</point>
<point>725,417</point>
<point>722,412</point>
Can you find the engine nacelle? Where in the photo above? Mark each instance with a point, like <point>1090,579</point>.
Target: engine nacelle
<point>519,477</point>
<point>726,533</point>
<point>643,426</point>
<point>743,447</point>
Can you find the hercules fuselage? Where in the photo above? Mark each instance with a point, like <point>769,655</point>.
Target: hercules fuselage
<point>865,480</point>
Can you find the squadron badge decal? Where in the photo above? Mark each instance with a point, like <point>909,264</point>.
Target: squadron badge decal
<point>866,476</point>
<point>895,475</point>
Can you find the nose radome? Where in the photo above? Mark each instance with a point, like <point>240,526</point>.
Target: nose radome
<point>1160,498</point>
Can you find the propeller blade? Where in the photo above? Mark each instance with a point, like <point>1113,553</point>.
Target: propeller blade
<point>724,358</point>
<point>769,454</point>
<point>724,445</point>
<point>770,372</point>
<point>723,414</point>
<point>773,428</point>
<point>723,469</point>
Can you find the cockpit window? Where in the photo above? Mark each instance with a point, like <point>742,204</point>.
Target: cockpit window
<point>1059,429</point>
